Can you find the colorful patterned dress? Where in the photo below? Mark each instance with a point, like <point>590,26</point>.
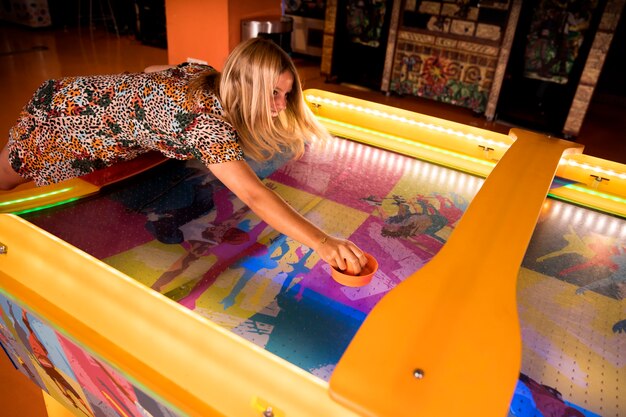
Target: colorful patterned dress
<point>75,125</point>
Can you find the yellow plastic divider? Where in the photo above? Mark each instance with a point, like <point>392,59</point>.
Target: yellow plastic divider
<point>192,364</point>
<point>446,341</point>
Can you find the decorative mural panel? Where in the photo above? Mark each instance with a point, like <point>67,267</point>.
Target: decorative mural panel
<point>81,382</point>
<point>556,33</point>
<point>448,50</point>
<point>460,17</point>
<point>314,9</point>
<point>613,11</point>
<point>459,73</point>
<point>365,21</point>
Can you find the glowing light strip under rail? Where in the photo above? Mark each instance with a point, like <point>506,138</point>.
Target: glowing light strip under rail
<point>594,193</point>
<point>597,169</point>
<point>47,206</point>
<point>407,141</point>
<point>35,197</point>
<point>378,113</point>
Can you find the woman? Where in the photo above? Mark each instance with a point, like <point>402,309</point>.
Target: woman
<point>75,125</point>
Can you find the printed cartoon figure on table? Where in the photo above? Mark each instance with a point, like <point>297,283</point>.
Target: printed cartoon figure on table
<point>593,262</point>
<point>419,215</point>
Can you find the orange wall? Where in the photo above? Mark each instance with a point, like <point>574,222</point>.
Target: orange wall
<point>209,29</point>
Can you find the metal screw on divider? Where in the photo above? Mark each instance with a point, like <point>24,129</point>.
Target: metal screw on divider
<point>268,412</point>
<point>418,373</point>
<point>3,249</point>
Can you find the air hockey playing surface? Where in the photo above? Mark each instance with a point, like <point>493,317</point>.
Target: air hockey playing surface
<point>178,231</point>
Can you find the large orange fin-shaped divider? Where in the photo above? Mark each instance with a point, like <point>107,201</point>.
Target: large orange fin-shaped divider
<point>446,341</point>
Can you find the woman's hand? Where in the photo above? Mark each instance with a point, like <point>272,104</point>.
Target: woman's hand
<point>341,254</point>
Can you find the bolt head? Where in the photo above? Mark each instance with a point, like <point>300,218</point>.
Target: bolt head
<point>418,373</point>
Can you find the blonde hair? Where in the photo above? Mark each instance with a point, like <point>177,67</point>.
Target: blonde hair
<point>245,89</point>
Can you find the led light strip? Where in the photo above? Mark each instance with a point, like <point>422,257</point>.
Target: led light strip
<point>599,170</point>
<point>406,141</point>
<point>47,206</point>
<point>594,193</point>
<point>34,197</point>
<point>430,126</point>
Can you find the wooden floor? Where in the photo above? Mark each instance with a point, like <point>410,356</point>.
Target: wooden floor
<point>28,57</point>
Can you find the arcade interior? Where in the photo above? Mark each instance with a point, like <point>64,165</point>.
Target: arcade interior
<point>427,99</point>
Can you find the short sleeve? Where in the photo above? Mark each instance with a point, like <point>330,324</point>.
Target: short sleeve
<point>213,140</point>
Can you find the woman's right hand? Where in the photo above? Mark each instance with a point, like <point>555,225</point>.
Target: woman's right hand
<point>341,254</point>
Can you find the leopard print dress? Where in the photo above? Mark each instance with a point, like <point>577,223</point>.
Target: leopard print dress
<point>75,125</point>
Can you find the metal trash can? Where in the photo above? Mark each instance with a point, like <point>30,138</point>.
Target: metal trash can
<point>275,28</point>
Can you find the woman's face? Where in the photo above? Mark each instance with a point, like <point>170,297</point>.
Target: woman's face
<point>281,92</point>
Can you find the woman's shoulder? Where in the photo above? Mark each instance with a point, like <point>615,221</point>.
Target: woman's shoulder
<point>157,68</point>
<point>187,69</point>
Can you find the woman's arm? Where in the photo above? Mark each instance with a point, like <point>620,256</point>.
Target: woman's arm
<point>269,206</point>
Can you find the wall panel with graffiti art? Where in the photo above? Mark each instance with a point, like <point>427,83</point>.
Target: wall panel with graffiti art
<point>449,50</point>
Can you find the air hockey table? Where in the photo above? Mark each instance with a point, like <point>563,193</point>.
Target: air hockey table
<point>148,289</point>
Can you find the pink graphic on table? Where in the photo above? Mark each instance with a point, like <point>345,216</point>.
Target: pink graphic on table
<point>103,384</point>
<point>338,174</point>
